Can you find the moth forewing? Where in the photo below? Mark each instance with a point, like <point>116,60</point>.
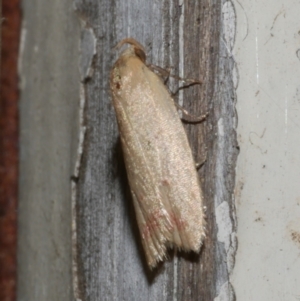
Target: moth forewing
<point>161,171</point>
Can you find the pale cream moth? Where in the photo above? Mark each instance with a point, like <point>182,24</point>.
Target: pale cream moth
<point>161,171</point>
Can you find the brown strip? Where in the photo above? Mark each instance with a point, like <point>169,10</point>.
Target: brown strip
<point>10,36</point>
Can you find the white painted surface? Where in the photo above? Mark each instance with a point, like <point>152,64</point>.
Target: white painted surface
<point>268,172</point>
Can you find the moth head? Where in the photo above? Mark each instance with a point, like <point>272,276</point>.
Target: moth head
<point>136,47</point>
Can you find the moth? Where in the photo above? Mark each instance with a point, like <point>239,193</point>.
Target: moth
<point>163,179</point>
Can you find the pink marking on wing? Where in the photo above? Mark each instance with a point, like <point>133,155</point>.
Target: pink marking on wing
<point>153,222</point>
<point>180,224</point>
<point>165,182</point>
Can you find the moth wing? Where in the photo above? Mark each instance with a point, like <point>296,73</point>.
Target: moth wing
<point>152,216</point>
<point>161,172</point>
<point>176,174</point>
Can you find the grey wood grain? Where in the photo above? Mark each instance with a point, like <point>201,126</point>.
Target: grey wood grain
<point>188,36</point>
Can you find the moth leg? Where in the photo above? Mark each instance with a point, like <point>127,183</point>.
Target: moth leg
<point>202,160</point>
<point>189,117</point>
<point>163,73</point>
<point>188,83</point>
<point>186,115</point>
<point>167,73</point>
<point>200,164</point>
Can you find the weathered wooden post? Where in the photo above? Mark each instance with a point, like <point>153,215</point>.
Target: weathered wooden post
<point>70,149</point>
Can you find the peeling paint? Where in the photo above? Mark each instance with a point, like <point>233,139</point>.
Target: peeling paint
<point>226,293</point>
<point>224,201</point>
<point>231,252</point>
<point>82,131</point>
<point>224,224</point>
<point>87,53</point>
<point>221,127</point>
<point>226,234</point>
<point>235,76</point>
<point>229,23</point>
